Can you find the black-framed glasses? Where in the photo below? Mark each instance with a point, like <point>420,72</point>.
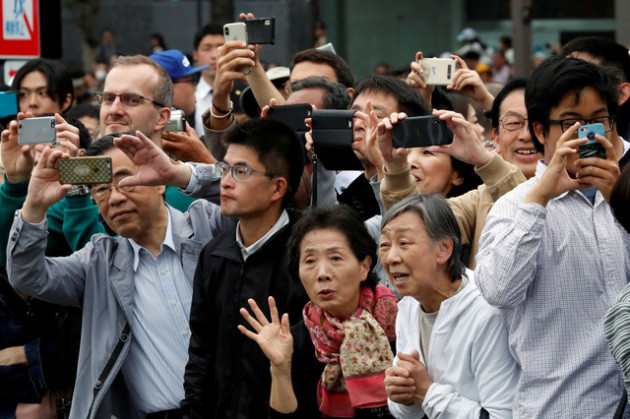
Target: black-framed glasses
<point>513,122</point>
<point>239,172</point>
<point>101,192</point>
<point>607,121</point>
<point>127,99</point>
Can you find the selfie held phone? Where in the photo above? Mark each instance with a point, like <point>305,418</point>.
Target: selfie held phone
<point>421,131</point>
<point>438,71</point>
<point>8,104</point>
<point>236,31</point>
<point>592,148</point>
<point>261,31</point>
<point>332,139</point>
<point>292,115</point>
<point>85,170</point>
<point>40,130</point>
<point>176,123</point>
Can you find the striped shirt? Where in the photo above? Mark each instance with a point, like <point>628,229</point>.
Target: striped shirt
<point>617,331</point>
<point>154,368</point>
<point>553,272</point>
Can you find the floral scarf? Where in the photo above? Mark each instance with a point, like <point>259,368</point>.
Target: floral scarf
<point>356,350</point>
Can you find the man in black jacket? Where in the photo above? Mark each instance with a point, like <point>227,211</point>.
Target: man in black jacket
<point>227,375</point>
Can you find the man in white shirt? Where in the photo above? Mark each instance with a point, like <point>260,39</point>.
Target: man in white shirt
<point>207,42</point>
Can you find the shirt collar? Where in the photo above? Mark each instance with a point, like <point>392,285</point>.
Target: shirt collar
<point>247,251</point>
<point>203,88</point>
<point>168,242</point>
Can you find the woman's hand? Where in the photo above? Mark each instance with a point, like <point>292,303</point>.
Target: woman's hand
<point>274,338</point>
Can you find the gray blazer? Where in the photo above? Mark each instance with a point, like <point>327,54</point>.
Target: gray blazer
<point>100,279</point>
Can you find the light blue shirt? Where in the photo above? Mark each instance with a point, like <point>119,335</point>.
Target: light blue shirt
<point>154,368</point>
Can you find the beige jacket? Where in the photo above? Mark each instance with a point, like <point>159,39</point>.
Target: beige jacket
<point>470,209</point>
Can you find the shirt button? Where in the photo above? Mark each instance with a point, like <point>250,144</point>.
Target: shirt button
<point>173,302</point>
<point>604,247</point>
<point>186,332</point>
<point>163,271</point>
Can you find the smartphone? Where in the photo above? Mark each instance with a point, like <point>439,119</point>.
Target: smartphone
<point>421,131</point>
<point>333,138</point>
<point>236,31</point>
<point>38,130</point>
<point>177,121</point>
<point>8,104</point>
<point>85,170</point>
<point>292,115</point>
<point>592,148</point>
<point>438,71</point>
<point>261,31</point>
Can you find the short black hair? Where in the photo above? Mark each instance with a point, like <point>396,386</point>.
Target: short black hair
<point>343,219</point>
<point>208,29</point>
<point>557,76</point>
<point>84,109</point>
<point>620,198</point>
<point>339,65</point>
<point>409,100</point>
<point>336,97</point>
<point>512,85</point>
<point>59,82</point>
<point>84,135</point>
<point>609,53</point>
<point>277,146</point>
<point>105,143</point>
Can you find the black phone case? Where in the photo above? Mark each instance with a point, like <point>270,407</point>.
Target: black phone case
<point>421,131</point>
<point>261,31</point>
<point>332,139</point>
<point>292,115</point>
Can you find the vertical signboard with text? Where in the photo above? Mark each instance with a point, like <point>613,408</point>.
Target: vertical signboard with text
<point>19,37</point>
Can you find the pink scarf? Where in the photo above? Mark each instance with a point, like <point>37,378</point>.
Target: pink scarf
<point>356,351</point>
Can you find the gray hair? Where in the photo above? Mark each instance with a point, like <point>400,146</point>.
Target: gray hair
<point>439,221</point>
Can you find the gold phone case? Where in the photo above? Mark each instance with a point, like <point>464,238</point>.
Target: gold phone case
<point>85,170</point>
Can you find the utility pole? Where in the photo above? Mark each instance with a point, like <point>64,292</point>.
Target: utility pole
<point>521,11</point>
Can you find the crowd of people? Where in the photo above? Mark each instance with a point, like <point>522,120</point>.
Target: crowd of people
<point>225,272</point>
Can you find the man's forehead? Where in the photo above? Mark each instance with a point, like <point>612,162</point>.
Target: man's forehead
<point>380,101</point>
<point>133,75</point>
<point>241,154</point>
<point>307,69</point>
<point>212,39</point>
<point>513,102</point>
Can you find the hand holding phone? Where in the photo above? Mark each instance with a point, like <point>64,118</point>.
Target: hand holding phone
<point>85,170</point>
<point>40,130</point>
<point>237,31</point>
<point>592,148</point>
<point>438,71</point>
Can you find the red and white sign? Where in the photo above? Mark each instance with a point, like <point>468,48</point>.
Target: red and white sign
<point>11,67</point>
<point>19,37</point>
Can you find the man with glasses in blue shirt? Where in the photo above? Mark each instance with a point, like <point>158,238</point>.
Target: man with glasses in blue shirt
<point>551,256</point>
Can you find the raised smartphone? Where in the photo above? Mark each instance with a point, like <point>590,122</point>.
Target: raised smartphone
<point>261,31</point>
<point>592,148</point>
<point>40,130</point>
<point>333,137</point>
<point>8,104</point>
<point>236,31</point>
<point>292,115</point>
<point>85,170</point>
<point>421,131</point>
<point>177,122</point>
<point>438,71</point>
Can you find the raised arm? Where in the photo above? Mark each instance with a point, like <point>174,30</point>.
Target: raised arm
<point>276,342</point>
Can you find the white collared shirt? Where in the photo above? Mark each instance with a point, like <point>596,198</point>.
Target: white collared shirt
<point>203,94</point>
<point>154,367</point>
<point>248,251</point>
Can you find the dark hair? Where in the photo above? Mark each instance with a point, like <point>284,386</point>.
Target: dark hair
<point>59,82</point>
<point>278,148</point>
<point>84,109</point>
<point>409,100</point>
<point>343,219</point>
<point>439,222</point>
<point>105,143</point>
<point>459,103</point>
<point>471,55</point>
<point>339,65</point>
<point>507,40</point>
<point>467,172</point>
<point>512,85</point>
<point>84,135</point>
<point>160,40</point>
<point>620,198</point>
<point>556,77</point>
<point>208,29</point>
<point>336,97</point>
<point>398,72</point>
<point>610,55</point>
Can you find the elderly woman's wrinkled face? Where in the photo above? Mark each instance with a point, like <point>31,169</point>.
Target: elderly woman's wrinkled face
<point>331,273</point>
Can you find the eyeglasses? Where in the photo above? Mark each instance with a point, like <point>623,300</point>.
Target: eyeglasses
<point>607,121</point>
<point>101,192</point>
<point>513,122</point>
<point>127,99</point>
<point>240,172</point>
